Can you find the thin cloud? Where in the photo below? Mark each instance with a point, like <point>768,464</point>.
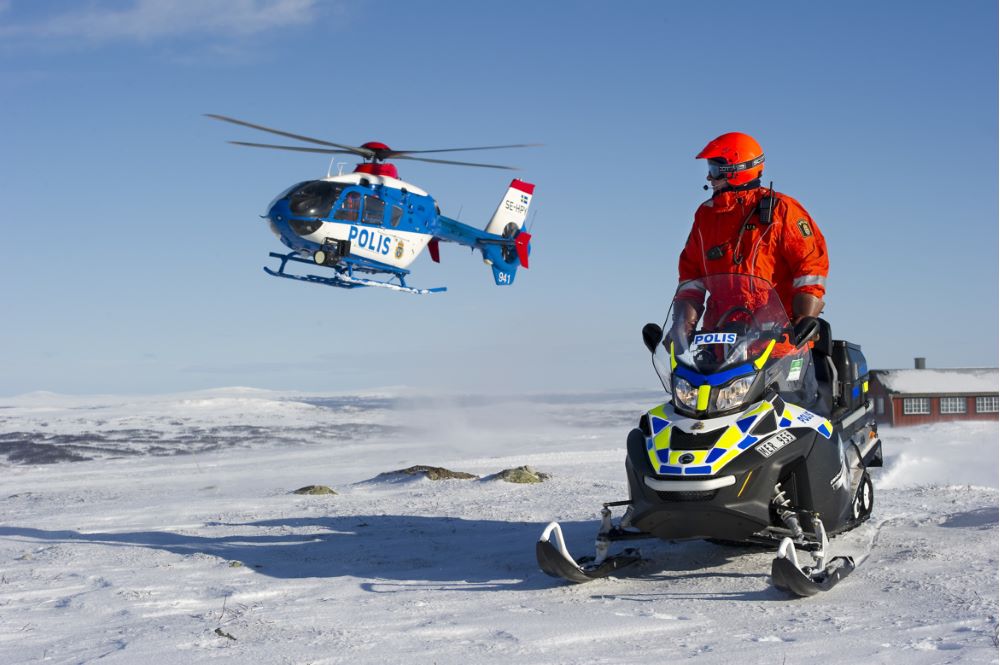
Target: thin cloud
<point>153,20</point>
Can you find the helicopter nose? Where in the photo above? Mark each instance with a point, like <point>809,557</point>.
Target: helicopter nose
<point>304,227</point>
<point>274,227</point>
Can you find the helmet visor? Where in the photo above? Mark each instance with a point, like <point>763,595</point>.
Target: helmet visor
<point>719,168</point>
<point>715,169</point>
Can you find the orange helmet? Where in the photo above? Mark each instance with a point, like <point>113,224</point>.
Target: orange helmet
<point>739,156</point>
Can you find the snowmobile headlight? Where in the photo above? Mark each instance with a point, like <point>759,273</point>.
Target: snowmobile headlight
<point>733,395</point>
<point>685,394</point>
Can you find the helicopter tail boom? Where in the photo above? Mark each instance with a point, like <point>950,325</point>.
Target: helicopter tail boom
<point>505,246</point>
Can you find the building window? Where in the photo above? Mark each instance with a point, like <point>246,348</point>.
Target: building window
<point>880,406</point>
<point>913,406</point>
<point>987,404</point>
<point>953,405</point>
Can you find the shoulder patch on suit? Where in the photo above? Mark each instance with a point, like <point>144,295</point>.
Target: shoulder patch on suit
<point>804,228</point>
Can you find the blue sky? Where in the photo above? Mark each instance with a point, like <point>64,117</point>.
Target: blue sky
<point>133,246</point>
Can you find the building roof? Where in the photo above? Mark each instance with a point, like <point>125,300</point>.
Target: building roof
<point>940,381</point>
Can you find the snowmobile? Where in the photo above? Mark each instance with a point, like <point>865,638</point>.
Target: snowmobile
<point>767,438</point>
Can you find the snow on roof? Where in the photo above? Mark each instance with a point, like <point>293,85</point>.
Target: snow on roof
<point>923,381</point>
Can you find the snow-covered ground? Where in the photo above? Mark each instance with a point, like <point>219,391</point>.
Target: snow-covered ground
<point>163,530</point>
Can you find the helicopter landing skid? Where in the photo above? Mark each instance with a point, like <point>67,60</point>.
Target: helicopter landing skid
<point>344,278</point>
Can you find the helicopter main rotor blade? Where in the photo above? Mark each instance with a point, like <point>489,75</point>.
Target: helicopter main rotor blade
<point>364,152</point>
<point>447,161</point>
<point>396,153</point>
<point>329,151</point>
<point>296,148</point>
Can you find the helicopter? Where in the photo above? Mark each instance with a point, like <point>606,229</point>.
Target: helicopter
<point>368,226</point>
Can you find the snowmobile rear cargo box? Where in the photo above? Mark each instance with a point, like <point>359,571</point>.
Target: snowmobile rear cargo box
<point>852,372</point>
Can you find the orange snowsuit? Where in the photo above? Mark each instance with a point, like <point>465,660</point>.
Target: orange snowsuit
<point>728,237</point>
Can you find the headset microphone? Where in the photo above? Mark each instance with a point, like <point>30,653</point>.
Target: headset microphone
<point>705,187</point>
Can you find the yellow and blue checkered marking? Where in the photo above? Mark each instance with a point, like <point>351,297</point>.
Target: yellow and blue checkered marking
<point>733,441</point>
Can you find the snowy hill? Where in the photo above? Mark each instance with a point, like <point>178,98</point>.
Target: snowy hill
<point>163,529</point>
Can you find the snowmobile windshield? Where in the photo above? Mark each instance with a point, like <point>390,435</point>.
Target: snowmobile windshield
<point>724,327</point>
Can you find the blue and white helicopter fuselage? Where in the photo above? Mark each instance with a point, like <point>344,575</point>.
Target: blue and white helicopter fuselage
<point>370,223</point>
<point>395,239</point>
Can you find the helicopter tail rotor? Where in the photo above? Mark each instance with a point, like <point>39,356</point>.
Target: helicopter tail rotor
<point>522,244</point>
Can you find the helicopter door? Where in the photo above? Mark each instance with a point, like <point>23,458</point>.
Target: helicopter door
<point>349,208</point>
<point>374,212</point>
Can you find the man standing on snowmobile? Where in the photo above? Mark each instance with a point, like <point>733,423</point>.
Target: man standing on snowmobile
<point>749,229</point>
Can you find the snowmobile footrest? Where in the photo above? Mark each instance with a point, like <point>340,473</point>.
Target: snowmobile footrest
<point>791,579</point>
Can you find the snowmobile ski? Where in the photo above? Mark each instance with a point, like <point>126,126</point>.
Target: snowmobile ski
<point>555,559</point>
<point>791,579</point>
<point>802,581</point>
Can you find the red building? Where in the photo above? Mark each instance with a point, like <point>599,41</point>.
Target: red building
<point>904,397</point>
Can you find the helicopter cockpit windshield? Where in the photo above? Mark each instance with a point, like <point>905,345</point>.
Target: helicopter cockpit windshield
<point>314,198</point>
<point>317,198</point>
<point>722,327</point>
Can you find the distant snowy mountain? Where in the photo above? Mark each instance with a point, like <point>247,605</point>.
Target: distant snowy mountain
<point>164,529</point>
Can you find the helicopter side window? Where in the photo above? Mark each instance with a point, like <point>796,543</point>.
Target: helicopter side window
<point>349,209</point>
<point>374,211</point>
<point>397,214</point>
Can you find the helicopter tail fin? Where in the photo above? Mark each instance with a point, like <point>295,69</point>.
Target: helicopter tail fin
<point>513,209</point>
<point>505,258</point>
<point>507,221</point>
<point>503,274</point>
